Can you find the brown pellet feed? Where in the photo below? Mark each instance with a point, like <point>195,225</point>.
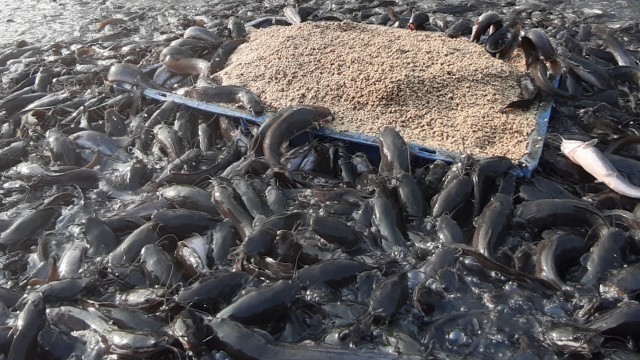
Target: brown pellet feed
<point>438,92</point>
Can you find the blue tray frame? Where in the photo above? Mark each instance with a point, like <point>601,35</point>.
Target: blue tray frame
<point>420,155</point>
<point>368,144</point>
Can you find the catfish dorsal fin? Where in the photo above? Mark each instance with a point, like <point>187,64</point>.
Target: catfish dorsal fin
<point>590,143</point>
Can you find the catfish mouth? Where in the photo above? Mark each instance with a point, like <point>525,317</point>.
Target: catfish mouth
<point>326,121</point>
<point>324,115</point>
<point>411,26</point>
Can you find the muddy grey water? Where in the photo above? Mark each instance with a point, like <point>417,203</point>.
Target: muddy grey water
<point>161,245</point>
<point>50,21</point>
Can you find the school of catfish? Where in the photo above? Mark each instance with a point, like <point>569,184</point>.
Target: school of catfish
<point>132,228</point>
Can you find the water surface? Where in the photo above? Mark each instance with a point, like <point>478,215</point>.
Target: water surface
<point>48,21</point>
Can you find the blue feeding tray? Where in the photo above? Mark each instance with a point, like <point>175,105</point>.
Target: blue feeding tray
<point>356,142</point>
<point>366,144</point>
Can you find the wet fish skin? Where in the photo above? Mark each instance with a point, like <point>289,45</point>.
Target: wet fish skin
<point>389,296</point>
<point>200,33</point>
<point>12,155</point>
<point>394,152</point>
<point>101,239</point>
<point>623,320</point>
<point>485,175</point>
<point>333,273</point>
<point>59,344</point>
<point>292,15</point>
<point>276,200</point>
<point>460,28</point>
<point>260,239</point>
<point>228,94</point>
<point>452,196</point>
<point>223,196</point>
<point>83,178</point>
<point>65,289</point>
<point>32,319</point>
<point>224,239</point>
<point>590,72</point>
<point>449,231</point>
<point>17,104</point>
<point>385,218</point>
<point>622,55</point>
<point>236,28</point>
<point>538,72</point>
<point>22,231</point>
<point>295,122</point>
<point>536,43</point>
<point>72,260</point>
<point>542,214</point>
<point>606,254</point>
<point>130,74</point>
<point>190,329</point>
<point>336,231</point>
<point>167,138</point>
<point>242,343</point>
<point>192,256</point>
<point>483,23</point>
<point>492,225</point>
<point>212,292</point>
<point>129,249</point>
<point>96,141</point>
<point>267,303</point>
<point>574,340</point>
<point>160,268</point>
<point>410,197</point>
<point>555,253</point>
<point>189,197</point>
<point>223,53</point>
<point>185,222</point>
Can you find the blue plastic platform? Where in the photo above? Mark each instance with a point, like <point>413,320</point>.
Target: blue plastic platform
<point>368,144</point>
